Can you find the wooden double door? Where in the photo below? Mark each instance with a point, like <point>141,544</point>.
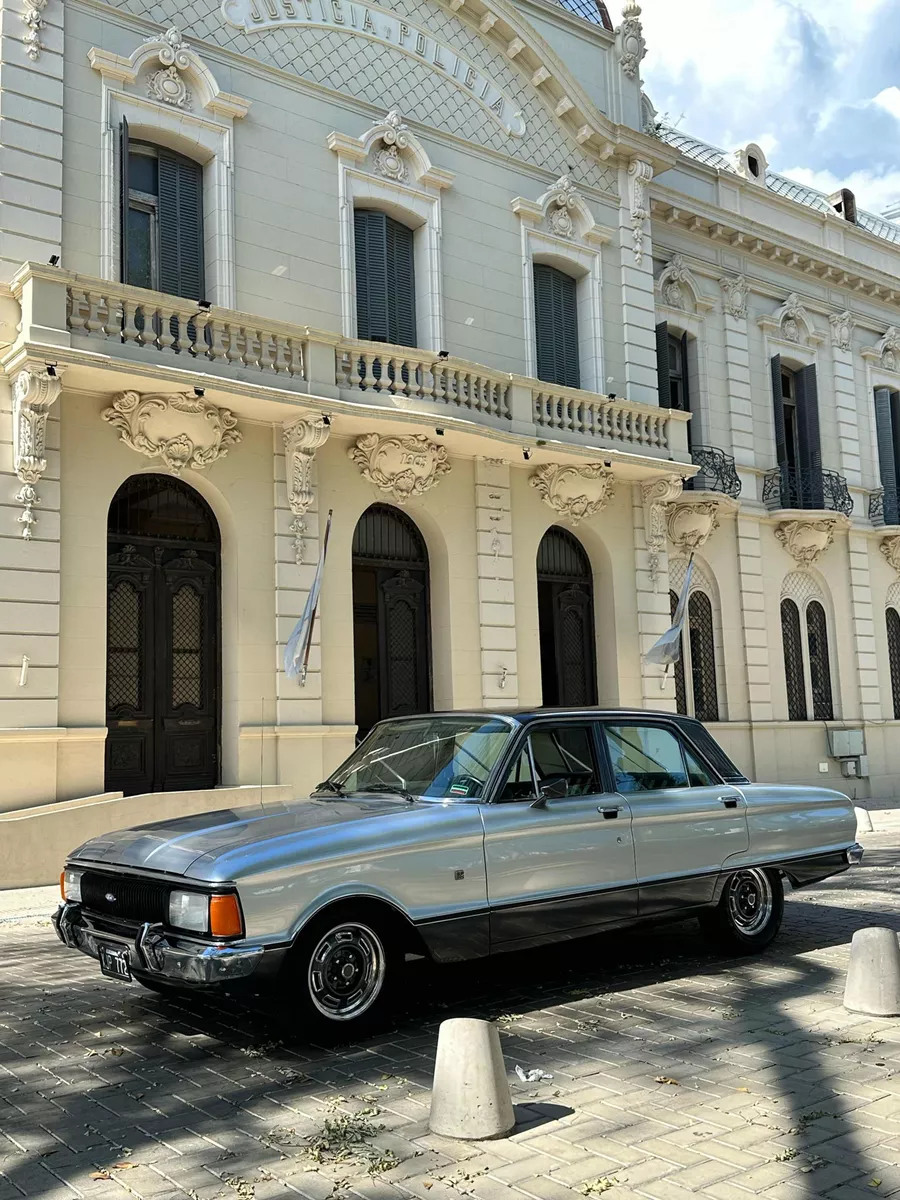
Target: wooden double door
<point>566,621</point>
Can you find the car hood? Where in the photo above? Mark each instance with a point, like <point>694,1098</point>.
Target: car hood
<point>174,846</point>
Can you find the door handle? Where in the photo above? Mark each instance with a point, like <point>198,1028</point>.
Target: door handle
<point>729,801</point>
<point>610,814</point>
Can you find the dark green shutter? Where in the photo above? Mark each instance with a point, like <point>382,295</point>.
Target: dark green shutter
<point>385,279</point>
<point>662,365</point>
<point>781,454</point>
<point>180,226</point>
<point>809,438</point>
<point>556,326</point>
<point>123,199</point>
<point>887,461</point>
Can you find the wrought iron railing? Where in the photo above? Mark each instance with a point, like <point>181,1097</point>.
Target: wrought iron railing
<point>884,507</point>
<point>717,472</point>
<point>800,487</point>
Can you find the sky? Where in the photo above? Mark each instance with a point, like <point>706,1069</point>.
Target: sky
<point>815,82</point>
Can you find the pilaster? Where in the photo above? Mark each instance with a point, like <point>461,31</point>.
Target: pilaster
<point>737,376</point>
<point>845,399</point>
<point>496,589</point>
<point>638,302</point>
<point>652,594</point>
<point>753,619</point>
<point>864,628</point>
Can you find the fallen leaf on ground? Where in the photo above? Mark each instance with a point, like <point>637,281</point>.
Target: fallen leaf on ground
<point>743,1089</point>
<point>100,1175</point>
<point>667,1079</point>
<point>873,1183</point>
<point>123,1166</point>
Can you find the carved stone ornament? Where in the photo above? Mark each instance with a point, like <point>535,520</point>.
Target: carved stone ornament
<point>657,495</point>
<point>401,466</point>
<point>301,441</point>
<point>630,34</point>
<point>678,287</point>
<point>690,526</point>
<point>735,289</point>
<point>33,16</point>
<point>34,392</point>
<point>888,349</point>
<point>388,161</point>
<point>842,325</point>
<point>167,85</point>
<point>563,201</point>
<point>791,322</point>
<point>890,548</point>
<point>183,429</point>
<point>639,174</point>
<point>806,541</point>
<point>574,492</point>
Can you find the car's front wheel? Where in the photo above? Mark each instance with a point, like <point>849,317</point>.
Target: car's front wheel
<point>339,978</point>
<point>749,913</point>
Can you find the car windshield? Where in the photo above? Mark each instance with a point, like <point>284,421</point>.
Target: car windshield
<point>434,758</point>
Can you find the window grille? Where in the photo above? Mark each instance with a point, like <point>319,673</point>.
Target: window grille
<point>703,657</point>
<point>680,690</point>
<point>819,668</point>
<point>793,660</point>
<point>893,636</point>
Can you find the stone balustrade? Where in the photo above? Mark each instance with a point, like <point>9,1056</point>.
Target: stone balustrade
<point>69,313</point>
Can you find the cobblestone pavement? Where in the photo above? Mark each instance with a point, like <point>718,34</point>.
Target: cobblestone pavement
<point>675,1074</point>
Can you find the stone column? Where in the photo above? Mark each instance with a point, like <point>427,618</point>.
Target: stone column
<point>496,589</point>
<point>864,628</point>
<point>845,401</point>
<point>652,583</point>
<point>638,303</point>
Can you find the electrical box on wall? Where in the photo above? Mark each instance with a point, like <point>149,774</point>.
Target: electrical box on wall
<point>855,768</point>
<point>846,743</point>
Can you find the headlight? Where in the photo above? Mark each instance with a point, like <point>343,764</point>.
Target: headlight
<point>71,882</point>
<point>189,910</point>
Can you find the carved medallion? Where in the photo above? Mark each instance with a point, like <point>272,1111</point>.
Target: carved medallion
<point>183,429</point>
<point>890,548</point>
<point>400,466</point>
<point>690,526</point>
<point>574,492</point>
<point>735,289</point>
<point>806,541</point>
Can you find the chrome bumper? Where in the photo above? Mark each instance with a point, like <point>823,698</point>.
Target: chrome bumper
<point>155,953</point>
<point>855,854</point>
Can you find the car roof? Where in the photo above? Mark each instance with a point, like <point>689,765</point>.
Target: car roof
<point>523,715</point>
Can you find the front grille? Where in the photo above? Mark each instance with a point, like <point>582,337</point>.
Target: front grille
<point>133,899</point>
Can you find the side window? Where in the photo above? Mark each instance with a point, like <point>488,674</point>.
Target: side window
<point>698,774</point>
<point>646,758</point>
<point>520,780</point>
<point>563,757</point>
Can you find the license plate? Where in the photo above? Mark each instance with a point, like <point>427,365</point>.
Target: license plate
<point>114,962</point>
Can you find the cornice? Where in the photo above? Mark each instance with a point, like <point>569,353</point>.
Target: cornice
<point>781,250</point>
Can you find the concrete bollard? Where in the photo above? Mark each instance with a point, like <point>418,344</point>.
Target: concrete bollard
<point>873,977</point>
<point>470,1099</point>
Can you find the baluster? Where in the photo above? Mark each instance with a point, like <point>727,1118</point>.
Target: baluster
<point>298,358</point>
<point>93,323</point>
<point>281,363</point>
<point>199,344</point>
<point>215,348</point>
<point>373,364</point>
<point>355,379</point>
<point>231,335</point>
<point>428,386</point>
<point>164,338</point>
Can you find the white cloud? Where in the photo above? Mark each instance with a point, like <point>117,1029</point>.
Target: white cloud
<point>889,100</point>
<point>873,192</point>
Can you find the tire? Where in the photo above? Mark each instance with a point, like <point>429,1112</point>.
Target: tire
<point>340,978</point>
<point>749,914</point>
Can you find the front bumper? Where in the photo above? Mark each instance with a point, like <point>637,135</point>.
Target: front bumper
<point>154,953</point>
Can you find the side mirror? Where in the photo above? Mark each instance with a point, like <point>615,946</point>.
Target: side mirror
<point>554,789</point>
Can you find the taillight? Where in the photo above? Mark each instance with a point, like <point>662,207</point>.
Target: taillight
<point>225,920</point>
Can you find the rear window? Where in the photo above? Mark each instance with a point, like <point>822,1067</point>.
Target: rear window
<point>712,751</point>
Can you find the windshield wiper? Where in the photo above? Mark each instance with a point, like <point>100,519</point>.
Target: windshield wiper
<point>389,788</point>
<point>329,785</point>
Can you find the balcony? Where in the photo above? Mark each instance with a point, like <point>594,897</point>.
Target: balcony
<point>884,507</point>
<point>798,488</point>
<point>717,472</point>
<point>88,322</point>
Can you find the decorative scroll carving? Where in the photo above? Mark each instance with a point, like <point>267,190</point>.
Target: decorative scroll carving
<point>690,526</point>
<point>574,492</point>
<point>657,495</point>
<point>736,290</point>
<point>394,140</point>
<point>401,466</point>
<point>564,199</point>
<point>678,287</point>
<point>806,541</point>
<point>887,352</point>
<point>890,548</point>
<point>632,46</point>
<point>639,173</point>
<point>182,429</point>
<point>301,441</point>
<point>167,85</point>
<point>34,392</point>
<point>842,325</point>
<point>791,322</point>
<point>33,16</point>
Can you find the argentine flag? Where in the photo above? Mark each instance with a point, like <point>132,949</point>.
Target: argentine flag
<point>296,652</point>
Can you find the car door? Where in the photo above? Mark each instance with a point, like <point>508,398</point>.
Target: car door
<point>562,861</point>
<point>685,823</point>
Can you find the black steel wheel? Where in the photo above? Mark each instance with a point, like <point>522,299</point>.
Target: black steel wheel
<point>749,912</point>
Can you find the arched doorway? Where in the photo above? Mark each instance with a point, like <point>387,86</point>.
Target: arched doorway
<point>566,620</point>
<point>391,617</point>
<point>163,638</point>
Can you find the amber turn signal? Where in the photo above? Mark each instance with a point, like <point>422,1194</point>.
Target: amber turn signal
<point>62,884</point>
<point>225,918</point>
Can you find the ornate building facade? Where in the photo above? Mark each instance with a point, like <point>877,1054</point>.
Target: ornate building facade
<point>433,266</point>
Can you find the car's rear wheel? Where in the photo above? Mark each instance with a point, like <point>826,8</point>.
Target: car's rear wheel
<point>338,980</point>
<point>749,913</point>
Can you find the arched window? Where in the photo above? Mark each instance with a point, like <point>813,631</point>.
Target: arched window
<point>162,219</point>
<point>893,637</point>
<point>696,682</point>
<point>566,620</point>
<point>556,326</point>
<point>807,664</point>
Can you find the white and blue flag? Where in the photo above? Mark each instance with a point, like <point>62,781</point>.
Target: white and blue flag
<point>668,649</point>
<point>296,652</point>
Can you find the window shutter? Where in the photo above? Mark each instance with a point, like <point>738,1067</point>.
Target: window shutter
<point>884,432</point>
<point>781,456</point>
<point>385,279</point>
<point>810,442</point>
<point>180,226</point>
<point>556,326</point>
<point>123,199</point>
<point>401,274</point>
<point>662,364</point>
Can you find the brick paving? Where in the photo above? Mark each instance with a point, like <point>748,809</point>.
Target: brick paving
<point>675,1074</point>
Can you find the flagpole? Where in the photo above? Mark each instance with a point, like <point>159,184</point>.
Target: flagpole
<point>305,668</point>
